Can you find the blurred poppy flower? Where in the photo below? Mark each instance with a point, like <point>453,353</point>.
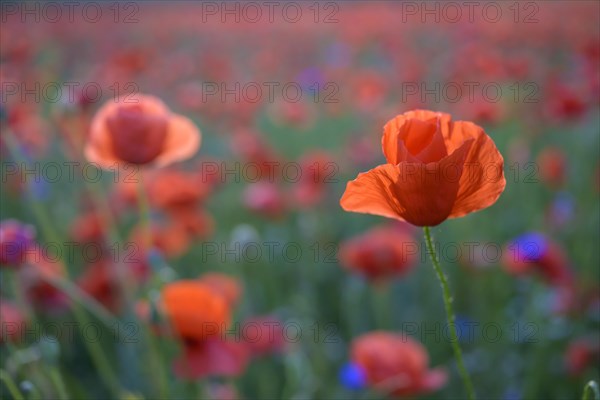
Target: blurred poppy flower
<point>195,310</point>
<point>211,357</point>
<point>199,315</point>
<point>172,190</point>
<point>171,238</point>
<point>437,169</point>
<point>380,253</point>
<point>88,227</point>
<point>263,335</point>
<point>99,282</point>
<point>395,364</point>
<point>581,354</point>
<point>534,252</point>
<point>16,239</point>
<point>36,279</point>
<point>317,169</point>
<point>552,164</point>
<point>251,148</point>
<point>12,322</point>
<point>140,130</point>
<point>265,198</point>
<point>229,287</point>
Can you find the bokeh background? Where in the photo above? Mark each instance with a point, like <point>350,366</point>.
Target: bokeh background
<point>528,72</point>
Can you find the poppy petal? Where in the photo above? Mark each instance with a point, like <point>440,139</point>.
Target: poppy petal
<point>482,180</point>
<point>183,141</point>
<point>398,128</point>
<point>371,193</point>
<point>427,191</point>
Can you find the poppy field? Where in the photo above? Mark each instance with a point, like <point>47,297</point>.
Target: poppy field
<point>300,200</point>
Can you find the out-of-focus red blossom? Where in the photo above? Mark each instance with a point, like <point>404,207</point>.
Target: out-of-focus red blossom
<point>380,253</point>
<point>12,322</point>
<point>536,253</point>
<point>196,222</point>
<point>16,239</point>
<point>171,238</point>
<point>264,335</point>
<point>369,90</point>
<point>552,164</point>
<point>317,169</point>
<point>36,278</point>
<point>99,282</point>
<point>195,310</point>
<point>565,103</point>
<point>212,357</point>
<point>249,146</point>
<point>140,130</point>
<point>226,285</point>
<point>29,129</point>
<point>88,227</point>
<point>480,110</point>
<point>580,355</point>
<point>395,364</point>
<point>199,314</point>
<point>172,190</point>
<point>100,279</point>
<point>265,198</point>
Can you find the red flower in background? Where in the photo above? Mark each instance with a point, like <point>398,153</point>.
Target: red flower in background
<point>199,315</point>
<point>141,130</point>
<point>12,322</point>
<point>263,335</point>
<point>581,354</point>
<point>265,198</point>
<point>317,169</point>
<point>395,364</point>
<point>437,169</point>
<point>552,164</point>
<point>380,253</point>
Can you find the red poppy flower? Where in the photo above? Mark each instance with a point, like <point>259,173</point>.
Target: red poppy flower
<point>581,354</point>
<point>380,253</point>
<point>227,286</point>
<point>12,322</point>
<point>194,309</point>
<point>140,130</point>
<point>395,364</point>
<point>437,169</point>
<point>211,357</point>
<point>264,335</point>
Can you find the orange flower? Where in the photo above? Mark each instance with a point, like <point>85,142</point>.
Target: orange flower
<point>437,169</point>
<point>195,310</point>
<point>226,285</point>
<point>140,130</point>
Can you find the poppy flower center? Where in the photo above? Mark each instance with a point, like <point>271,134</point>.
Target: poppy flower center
<point>423,140</point>
<point>137,137</point>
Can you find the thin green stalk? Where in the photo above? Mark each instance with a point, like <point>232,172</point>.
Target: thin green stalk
<point>10,385</point>
<point>153,354</point>
<point>449,315</point>
<point>58,383</point>
<point>589,388</point>
<point>95,350</point>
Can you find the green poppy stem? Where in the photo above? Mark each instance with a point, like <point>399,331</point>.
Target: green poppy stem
<point>450,317</point>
